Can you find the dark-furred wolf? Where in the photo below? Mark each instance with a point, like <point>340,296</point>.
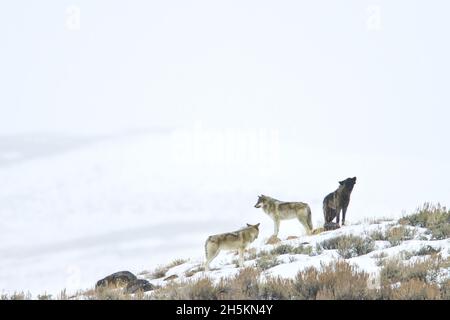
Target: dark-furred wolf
<point>279,210</point>
<point>239,240</point>
<point>338,201</point>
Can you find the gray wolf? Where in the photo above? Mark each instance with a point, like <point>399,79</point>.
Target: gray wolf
<point>279,210</point>
<point>239,240</point>
<point>338,201</point>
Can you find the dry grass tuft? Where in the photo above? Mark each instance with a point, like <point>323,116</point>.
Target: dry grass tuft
<point>349,246</point>
<point>436,218</point>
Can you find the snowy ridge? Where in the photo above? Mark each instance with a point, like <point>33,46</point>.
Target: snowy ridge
<point>73,216</point>
<point>290,264</point>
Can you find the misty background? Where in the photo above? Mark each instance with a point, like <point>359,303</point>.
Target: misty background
<point>130,131</point>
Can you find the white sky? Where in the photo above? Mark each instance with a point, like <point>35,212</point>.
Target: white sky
<point>364,76</point>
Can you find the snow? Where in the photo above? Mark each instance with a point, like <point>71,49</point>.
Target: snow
<point>290,264</point>
<point>72,216</point>
<point>290,269</point>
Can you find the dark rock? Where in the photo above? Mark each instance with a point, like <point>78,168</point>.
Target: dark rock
<point>331,226</point>
<point>139,285</point>
<point>117,279</point>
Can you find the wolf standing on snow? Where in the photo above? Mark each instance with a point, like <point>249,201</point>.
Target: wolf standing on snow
<point>279,210</point>
<point>239,240</point>
<point>337,201</point>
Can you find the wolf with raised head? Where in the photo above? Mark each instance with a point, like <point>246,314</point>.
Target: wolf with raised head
<point>279,210</point>
<point>239,240</point>
<point>338,201</point>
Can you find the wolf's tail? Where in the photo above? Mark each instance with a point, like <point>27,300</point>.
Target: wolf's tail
<point>206,247</point>
<point>325,211</point>
<point>309,218</point>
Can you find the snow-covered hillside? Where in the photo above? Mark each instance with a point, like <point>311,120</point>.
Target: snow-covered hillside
<point>287,265</point>
<point>70,217</point>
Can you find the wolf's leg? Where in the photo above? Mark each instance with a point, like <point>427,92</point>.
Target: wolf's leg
<point>326,214</point>
<point>207,262</point>
<point>344,211</point>
<point>276,224</point>
<point>241,257</point>
<point>276,220</point>
<point>211,252</point>
<point>309,223</point>
<point>309,220</point>
<point>338,214</point>
<point>303,221</point>
<point>330,214</point>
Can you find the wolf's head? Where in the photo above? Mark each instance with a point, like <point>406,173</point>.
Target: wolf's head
<point>261,200</point>
<point>348,183</point>
<point>255,228</point>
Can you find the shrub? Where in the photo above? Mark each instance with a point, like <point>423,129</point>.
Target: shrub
<point>62,295</point>
<point>17,296</point>
<point>203,289</point>
<point>44,296</point>
<point>172,291</point>
<point>108,293</point>
<point>395,270</point>
<point>440,231</point>
<point>337,280</point>
<point>193,271</point>
<point>267,261</point>
<point>391,271</point>
<point>200,289</point>
<point>276,289</point>
<point>301,249</point>
<point>379,258</point>
<point>427,250</point>
<point>415,289</point>
<point>245,285</point>
<point>377,235</point>
<point>344,281</point>
<point>159,272</point>
<point>282,249</point>
<point>396,235</point>
<point>349,246</point>
<point>319,249</point>
<point>286,248</point>
<point>436,218</point>
<point>306,284</point>
<point>176,262</point>
<point>445,289</point>
<point>330,244</point>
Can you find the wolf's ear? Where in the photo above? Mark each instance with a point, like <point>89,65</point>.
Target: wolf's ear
<point>249,225</point>
<point>257,225</point>
<point>354,179</point>
<point>341,182</point>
